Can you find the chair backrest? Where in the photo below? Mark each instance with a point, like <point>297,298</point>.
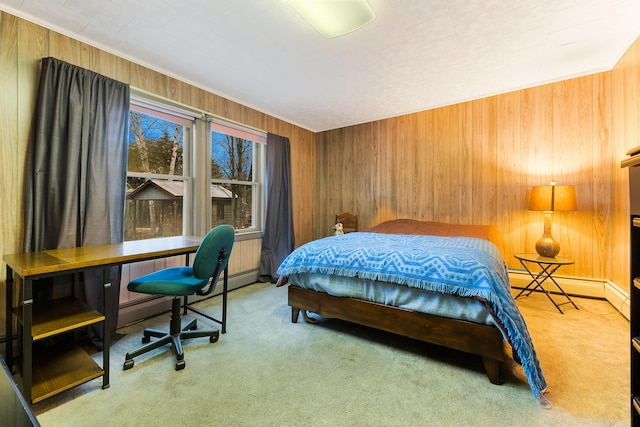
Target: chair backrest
<point>213,254</point>
<point>349,221</point>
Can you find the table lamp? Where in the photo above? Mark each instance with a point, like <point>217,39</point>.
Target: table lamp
<point>550,198</point>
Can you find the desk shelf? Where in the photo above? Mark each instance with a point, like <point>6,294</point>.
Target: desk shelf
<point>59,368</point>
<point>62,366</point>
<point>58,316</point>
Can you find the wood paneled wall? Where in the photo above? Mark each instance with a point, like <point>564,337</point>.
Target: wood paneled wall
<point>471,163</point>
<point>625,79</point>
<point>476,162</point>
<point>23,44</point>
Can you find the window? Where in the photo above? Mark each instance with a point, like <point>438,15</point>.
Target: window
<point>184,177</point>
<point>172,187</point>
<point>237,170</point>
<point>157,174</point>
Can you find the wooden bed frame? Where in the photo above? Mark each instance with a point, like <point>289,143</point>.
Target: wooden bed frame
<point>483,340</point>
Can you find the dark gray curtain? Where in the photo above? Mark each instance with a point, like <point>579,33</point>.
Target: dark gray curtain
<point>75,179</point>
<point>278,240</point>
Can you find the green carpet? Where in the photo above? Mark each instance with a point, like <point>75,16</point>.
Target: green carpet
<point>266,371</point>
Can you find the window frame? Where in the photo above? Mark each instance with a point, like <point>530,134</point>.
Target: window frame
<point>258,164</point>
<point>196,163</point>
<point>188,122</point>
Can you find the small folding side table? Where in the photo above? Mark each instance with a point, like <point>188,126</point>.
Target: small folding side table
<point>548,267</point>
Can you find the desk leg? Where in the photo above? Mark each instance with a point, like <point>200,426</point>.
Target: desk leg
<point>27,338</point>
<point>225,288</point>
<point>223,320</point>
<point>186,303</point>
<point>106,333</point>
<point>8,351</point>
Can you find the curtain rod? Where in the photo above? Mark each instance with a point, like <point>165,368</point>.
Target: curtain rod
<point>149,96</point>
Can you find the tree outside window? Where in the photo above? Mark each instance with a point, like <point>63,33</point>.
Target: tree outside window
<point>154,203</point>
<point>232,170</point>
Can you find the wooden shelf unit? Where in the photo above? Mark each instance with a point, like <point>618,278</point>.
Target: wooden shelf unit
<point>59,367</point>
<point>635,338</point>
<point>58,316</point>
<point>633,165</point>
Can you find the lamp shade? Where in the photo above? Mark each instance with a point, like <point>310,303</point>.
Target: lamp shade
<point>553,198</point>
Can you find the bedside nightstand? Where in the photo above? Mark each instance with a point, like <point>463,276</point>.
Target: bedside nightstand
<point>548,267</point>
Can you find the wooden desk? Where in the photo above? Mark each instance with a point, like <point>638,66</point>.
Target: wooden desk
<point>57,371</point>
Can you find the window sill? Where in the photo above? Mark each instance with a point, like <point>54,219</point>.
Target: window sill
<point>248,235</point>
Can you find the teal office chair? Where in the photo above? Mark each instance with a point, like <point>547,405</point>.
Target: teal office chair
<point>212,257</point>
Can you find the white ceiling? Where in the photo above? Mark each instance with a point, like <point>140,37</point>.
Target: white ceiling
<point>416,55</point>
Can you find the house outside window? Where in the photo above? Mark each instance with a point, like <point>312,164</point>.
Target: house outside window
<point>220,211</point>
<point>157,179</point>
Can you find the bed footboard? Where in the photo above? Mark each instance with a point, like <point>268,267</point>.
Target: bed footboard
<point>483,340</point>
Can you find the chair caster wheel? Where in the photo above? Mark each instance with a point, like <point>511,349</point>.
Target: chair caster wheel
<point>180,365</point>
<point>128,364</point>
<point>213,339</point>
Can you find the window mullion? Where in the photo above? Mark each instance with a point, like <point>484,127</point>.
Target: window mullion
<point>201,173</point>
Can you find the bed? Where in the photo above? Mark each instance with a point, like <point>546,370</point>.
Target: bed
<point>445,284</point>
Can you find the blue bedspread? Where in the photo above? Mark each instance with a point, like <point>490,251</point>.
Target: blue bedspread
<point>463,266</point>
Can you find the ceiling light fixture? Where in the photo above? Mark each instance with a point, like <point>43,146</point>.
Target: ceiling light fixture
<point>333,18</point>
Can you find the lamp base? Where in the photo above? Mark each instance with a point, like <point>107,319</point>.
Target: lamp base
<point>547,247</point>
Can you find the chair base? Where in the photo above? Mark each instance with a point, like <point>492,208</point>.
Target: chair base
<point>177,333</point>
